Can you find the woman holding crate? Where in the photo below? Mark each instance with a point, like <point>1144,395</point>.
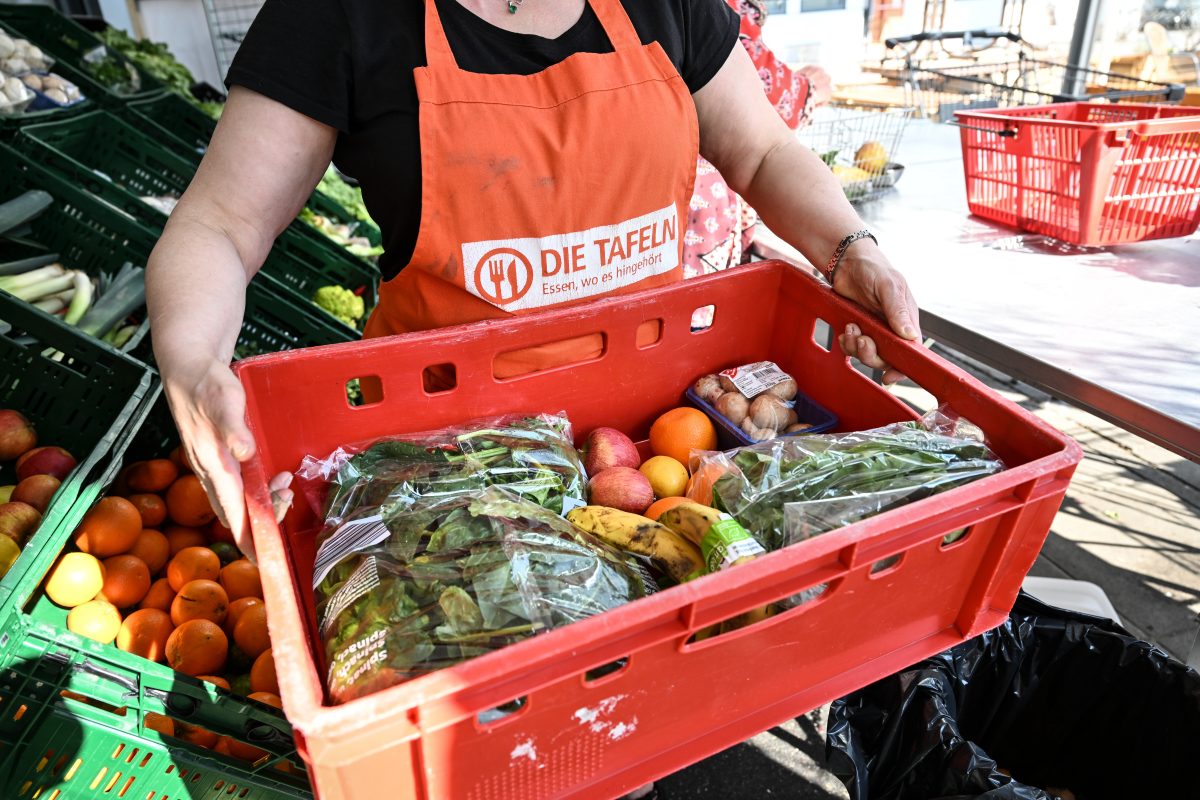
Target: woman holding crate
<point>518,155</point>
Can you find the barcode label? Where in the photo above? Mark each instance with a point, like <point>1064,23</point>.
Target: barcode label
<point>364,579</point>
<point>349,538</point>
<point>754,379</point>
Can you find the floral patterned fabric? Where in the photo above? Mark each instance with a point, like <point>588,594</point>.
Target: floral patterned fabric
<point>720,223</point>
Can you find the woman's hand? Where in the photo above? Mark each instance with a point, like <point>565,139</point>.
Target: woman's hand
<point>866,277</point>
<point>819,84</point>
<point>209,408</point>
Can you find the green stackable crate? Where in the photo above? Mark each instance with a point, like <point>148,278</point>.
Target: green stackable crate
<point>112,159</point>
<point>73,712</point>
<point>86,233</point>
<point>81,402</point>
<point>175,119</point>
<point>74,48</point>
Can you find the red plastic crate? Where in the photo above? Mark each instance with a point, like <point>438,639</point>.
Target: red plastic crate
<point>1086,173</point>
<point>672,703</point>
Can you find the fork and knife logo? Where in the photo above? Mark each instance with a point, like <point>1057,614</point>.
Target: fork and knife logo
<point>503,275</point>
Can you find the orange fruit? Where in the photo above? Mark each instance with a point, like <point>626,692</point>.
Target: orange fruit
<point>187,504</point>
<point>157,722</point>
<point>243,751</point>
<point>191,564</point>
<point>200,599</point>
<point>197,647</point>
<point>262,674</point>
<point>236,607</point>
<point>75,579</point>
<point>144,633</point>
<point>194,734</point>
<point>181,536</point>
<point>153,548</point>
<point>95,619</point>
<point>700,487</point>
<point>215,680</point>
<point>267,698</point>
<point>250,632</point>
<point>109,528</point>
<point>179,458</point>
<point>223,746</point>
<point>241,579</point>
<point>219,533</point>
<point>126,581</point>
<point>151,507</point>
<point>659,506</point>
<point>668,477</point>
<point>155,475</point>
<point>680,431</point>
<point>160,596</point>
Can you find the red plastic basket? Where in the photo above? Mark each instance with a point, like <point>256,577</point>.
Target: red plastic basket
<point>1086,173</point>
<point>670,703</point>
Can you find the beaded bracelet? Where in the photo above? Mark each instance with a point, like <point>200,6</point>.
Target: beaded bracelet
<point>836,260</point>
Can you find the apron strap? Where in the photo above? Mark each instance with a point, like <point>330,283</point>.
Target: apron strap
<point>611,13</point>
<point>437,46</point>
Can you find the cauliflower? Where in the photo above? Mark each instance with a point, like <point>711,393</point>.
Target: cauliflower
<point>341,303</point>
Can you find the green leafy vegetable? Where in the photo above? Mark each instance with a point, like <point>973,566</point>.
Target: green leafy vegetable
<point>457,577</point>
<point>153,57</point>
<point>784,490</point>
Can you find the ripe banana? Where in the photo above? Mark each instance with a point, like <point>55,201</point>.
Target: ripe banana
<point>723,542</point>
<point>673,554</point>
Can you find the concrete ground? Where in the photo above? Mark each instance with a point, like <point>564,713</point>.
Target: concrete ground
<point>1130,524</point>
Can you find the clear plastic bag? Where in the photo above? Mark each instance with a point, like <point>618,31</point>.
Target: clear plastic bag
<point>456,577</point>
<point>531,455</point>
<point>786,490</point>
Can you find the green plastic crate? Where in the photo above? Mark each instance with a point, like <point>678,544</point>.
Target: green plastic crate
<point>81,403</point>
<point>73,712</point>
<point>112,159</point>
<point>87,234</point>
<point>174,119</point>
<point>74,47</point>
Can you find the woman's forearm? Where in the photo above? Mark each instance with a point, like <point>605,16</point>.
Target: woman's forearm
<point>801,201</point>
<point>195,295</point>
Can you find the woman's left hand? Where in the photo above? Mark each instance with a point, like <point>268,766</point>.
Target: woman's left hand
<point>866,277</point>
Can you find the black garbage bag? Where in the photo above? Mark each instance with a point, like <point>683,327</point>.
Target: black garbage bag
<point>1050,700</point>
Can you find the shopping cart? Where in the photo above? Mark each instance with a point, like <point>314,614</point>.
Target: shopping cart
<point>940,90</point>
<point>859,143</point>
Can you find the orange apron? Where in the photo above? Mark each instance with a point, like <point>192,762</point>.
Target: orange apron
<point>546,189</point>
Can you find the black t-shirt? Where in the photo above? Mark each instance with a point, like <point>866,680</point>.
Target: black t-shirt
<point>349,64</point>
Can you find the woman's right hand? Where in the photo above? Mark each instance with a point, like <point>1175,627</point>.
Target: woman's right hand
<point>209,408</point>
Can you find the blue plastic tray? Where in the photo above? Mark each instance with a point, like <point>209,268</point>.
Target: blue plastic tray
<point>729,435</point>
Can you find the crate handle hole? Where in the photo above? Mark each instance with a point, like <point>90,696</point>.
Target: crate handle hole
<point>69,695</point>
<point>955,538</point>
<point>366,390</point>
<point>537,359</point>
<point>869,373</point>
<point>439,378</point>
<point>749,619</point>
<point>822,334</point>
<point>703,318</point>
<point>886,565</point>
<point>606,671</point>
<point>648,334</point>
<point>494,716</point>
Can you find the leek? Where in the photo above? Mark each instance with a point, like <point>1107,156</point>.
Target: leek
<point>11,283</point>
<point>42,289</point>
<point>126,294</point>
<point>24,265</point>
<point>51,305</point>
<point>82,299</point>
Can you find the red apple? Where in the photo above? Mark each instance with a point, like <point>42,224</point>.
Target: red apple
<point>17,435</point>
<point>605,448</point>
<point>45,461</point>
<point>18,521</point>
<point>36,490</point>
<point>621,487</point>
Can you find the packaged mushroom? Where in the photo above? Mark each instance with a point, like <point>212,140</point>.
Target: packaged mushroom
<point>53,91</point>
<point>756,402</point>
<point>15,96</point>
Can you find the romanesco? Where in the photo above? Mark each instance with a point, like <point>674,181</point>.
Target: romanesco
<point>341,303</point>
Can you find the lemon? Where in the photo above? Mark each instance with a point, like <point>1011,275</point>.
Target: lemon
<point>95,619</point>
<point>667,476</point>
<point>75,579</point>
<point>9,552</point>
<point>871,157</point>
